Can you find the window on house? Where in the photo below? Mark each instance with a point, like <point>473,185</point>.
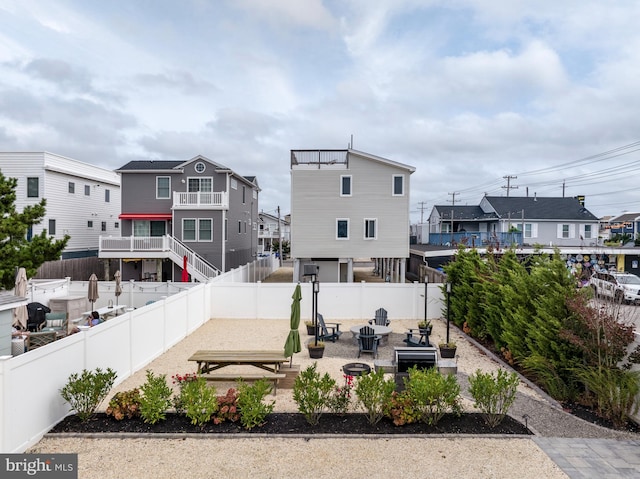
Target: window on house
<point>370,228</point>
<point>244,195</point>
<point>234,183</point>
<point>255,195</point>
<point>200,184</point>
<point>342,229</point>
<point>239,227</point>
<point>103,227</point>
<point>398,185</point>
<point>226,224</point>
<point>200,167</point>
<point>163,187</point>
<point>564,231</point>
<point>245,227</point>
<point>188,229</point>
<point>33,187</point>
<point>116,225</point>
<point>141,228</point>
<point>205,230</point>
<point>345,185</point>
<point>87,190</point>
<point>107,196</point>
<point>527,230</point>
<point>52,227</point>
<point>72,187</point>
<point>587,232</point>
<point>89,224</point>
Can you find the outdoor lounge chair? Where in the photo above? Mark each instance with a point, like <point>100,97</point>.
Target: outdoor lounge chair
<point>57,322</point>
<point>381,318</point>
<point>35,340</point>
<point>368,341</point>
<point>328,333</point>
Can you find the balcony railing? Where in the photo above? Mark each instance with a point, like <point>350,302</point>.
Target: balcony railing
<point>476,239</point>
<point>201,199</point>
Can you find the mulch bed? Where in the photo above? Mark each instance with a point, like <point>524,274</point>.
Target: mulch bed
<point>292,423</point>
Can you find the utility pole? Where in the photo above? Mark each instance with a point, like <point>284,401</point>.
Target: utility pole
<point>563,186</point>
<point>279,237</point>
<point>453,197</point>
<point>422,208</point>
<point>509,187</point>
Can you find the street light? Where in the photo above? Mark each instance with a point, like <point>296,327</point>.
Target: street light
<point>448,308</point>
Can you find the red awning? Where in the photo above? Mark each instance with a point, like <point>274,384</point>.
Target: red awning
<point>145,216</point>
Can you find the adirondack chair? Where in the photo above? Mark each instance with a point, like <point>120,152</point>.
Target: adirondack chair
<point>380,318</point>
<point>328,333</point>
<point>368,341</point>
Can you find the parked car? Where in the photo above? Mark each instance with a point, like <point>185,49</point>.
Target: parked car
<point>618,286</point>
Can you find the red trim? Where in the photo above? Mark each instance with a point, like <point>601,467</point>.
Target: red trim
<point>145,216</point>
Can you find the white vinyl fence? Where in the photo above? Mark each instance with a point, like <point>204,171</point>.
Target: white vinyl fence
<point>30,401</point>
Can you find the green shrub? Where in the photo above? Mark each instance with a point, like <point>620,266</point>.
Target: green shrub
<point>156,398</point>
<point>493,394</point>
<point>616,391</point>
<point>374,394</point>
<point>181,380</point>
<point>253,411</point>
<point>433,394</point>
<point>85,392</point>
<point>198,400</point>
<point>312,393</point>
<point>124,404</point>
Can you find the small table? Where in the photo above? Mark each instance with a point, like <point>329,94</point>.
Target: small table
<point>382,331</point>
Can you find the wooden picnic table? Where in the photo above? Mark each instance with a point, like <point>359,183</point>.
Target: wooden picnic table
<point>209,360</point>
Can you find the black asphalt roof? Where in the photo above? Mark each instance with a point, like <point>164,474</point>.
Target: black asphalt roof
<point>463,212</point>
<point>543,208</point>
<point>151,165</point>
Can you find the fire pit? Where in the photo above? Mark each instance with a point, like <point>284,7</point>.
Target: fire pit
<point>356,369</point>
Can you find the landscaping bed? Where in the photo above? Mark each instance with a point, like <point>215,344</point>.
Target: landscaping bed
<point>292,423</point>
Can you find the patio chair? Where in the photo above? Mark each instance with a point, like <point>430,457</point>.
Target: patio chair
<point>328,333</point>
<point>380,318</point>
<point>57,322</point>
<point>368,341</point>
<point>35,340</point>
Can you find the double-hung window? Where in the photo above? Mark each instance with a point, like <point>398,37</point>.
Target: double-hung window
<point>345,185</point>
<point>163,187</point>
<point>342,229</point>
<point>398,185</point>
<point>33,187</point>
<point>200,229</point>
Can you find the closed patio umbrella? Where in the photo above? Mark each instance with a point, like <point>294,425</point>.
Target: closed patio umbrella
<point>92,293</point>
<point>292,345</point>
<point>20,313</point>
<point>118,290</point>
<point>185,273</point>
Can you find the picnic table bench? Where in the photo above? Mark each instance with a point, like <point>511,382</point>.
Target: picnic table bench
<point>268,362</point>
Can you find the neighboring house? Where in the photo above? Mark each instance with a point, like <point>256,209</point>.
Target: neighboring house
<point>504,220</point>
<point>346,204</point>
<point>172,210</point>
<point>83,200</point>
<point>624,224</point>
<point>271,228</point>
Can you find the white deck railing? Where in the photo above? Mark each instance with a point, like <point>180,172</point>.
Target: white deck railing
<point>201,199</point>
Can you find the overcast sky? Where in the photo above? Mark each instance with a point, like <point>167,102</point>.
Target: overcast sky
<point>466,91</point>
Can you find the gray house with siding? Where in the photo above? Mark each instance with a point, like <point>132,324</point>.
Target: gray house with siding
<point>546,221</point>
<point>347,204</point>
<point>196,211</point>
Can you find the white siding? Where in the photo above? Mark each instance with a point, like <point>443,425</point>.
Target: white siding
<point>316,204</point>
<point>71,211</point>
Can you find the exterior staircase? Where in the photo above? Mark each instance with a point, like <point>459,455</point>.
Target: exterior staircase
<point>158,247</point>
